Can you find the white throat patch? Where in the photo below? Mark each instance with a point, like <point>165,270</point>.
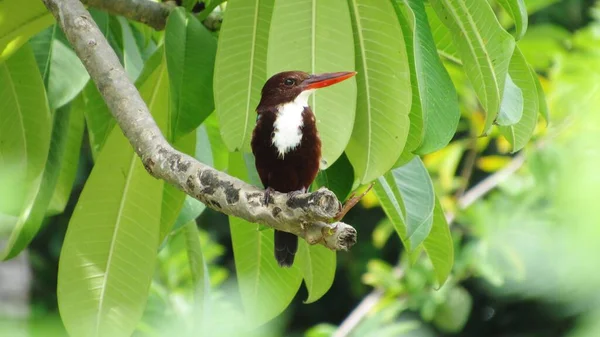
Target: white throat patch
<point>286,129</point>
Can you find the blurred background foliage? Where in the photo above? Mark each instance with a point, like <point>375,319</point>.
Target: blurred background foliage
<point>526,252</point>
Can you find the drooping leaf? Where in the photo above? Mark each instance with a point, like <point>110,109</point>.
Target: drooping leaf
<point>318,269</point>
<point>407,197</point>
<point>190,50</point>
<point>441,36</point>
<point>484,47</point>
<point>19,20</point>
<point>66,76</point>
<point>384,92</point>
<point>25,128</point>
<point>316,37</point>
<point>511,108</point>
<point>241,69</point>
<point>434,112</point>
<point>518,11</point>
<point>259,276</point>
<point>438,245</point>
<point>108,255</point>
<point>31,218</point>
<point>519,134</point>
<point>41,44</point>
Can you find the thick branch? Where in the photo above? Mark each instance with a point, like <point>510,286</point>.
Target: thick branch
<point>154,14</point>
<point>305,215</point>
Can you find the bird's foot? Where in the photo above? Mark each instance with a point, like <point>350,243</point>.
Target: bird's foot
<point>296,193</point>
<point>267,198</point>
<point>351,202</point>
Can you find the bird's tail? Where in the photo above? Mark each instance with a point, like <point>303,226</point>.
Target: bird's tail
<point>286,245</point>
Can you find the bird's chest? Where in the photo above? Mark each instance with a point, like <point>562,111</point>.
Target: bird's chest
<point>287,128</point>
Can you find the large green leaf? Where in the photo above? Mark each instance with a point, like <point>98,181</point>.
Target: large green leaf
<point>318,269</point>
<point>190,51</point>
<point>19,20</point>
<point>25,129</point>
<point>70,158</point>
<point>441,35</point>
<point>434,112</point>
<point>519,134</point>
<point>259,276</point>
<point>241,69</point>
<point>339,178</point>
<point>518,11</point>
<point>109,252</point>
<point>438,245</point>
<point>132,56</point>
<point>316,37</point>
<point>407,197</point>
<point>484,46</point>
<point>32,216</point>
<point>384,92</point>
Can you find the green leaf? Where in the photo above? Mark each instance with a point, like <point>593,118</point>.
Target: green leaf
<point>316,37</point>
<point>435,102</point>
<point>484,46</point>
<point>25,128</point>
<point>407,197</point>
<point>452,314</point>
<point>259,276</point>
<point>109,252</point>
<point>438,245</point>
<point>441,36</point>
<point>20,19</point>
<point>518,135</point>
<point>190,51</point>
<point>241,69</point>
<point>511,108</point>
<point>35,209</point>
<point>220,155</point>
<point>518,11</point>
<point>338,178</point>
<point>384,92</point>
<point>98,118</point>
<point>318,269</point>
<point>41,44</point>
<point>70,158</point>
<point>543,105</point>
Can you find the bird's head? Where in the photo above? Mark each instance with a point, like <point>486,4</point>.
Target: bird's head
<point>289,86</point>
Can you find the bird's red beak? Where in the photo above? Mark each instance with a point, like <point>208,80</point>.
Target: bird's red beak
<point>324,80</point>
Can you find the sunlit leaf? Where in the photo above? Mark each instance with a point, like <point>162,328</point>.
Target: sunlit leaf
<point>318,268</point>
<point>518,11</point>
<point>259,276</point>
<point>316,37</point>
<point>543,104</point>
<point>190,50</point>
<point>435,104</point>
<point>241,69</point>
<point>25,128</point>
<point>384,93</point>
<point>98,118</point>
<point>19,20</point>
<point>484,46</point>
<point>108,255</point>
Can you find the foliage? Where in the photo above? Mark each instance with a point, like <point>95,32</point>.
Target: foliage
<point>202,88</point>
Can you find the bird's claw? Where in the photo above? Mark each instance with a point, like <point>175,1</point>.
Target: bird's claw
<point>267,198</point>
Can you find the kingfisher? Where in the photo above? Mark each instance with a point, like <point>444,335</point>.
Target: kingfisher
<point>286,143</point>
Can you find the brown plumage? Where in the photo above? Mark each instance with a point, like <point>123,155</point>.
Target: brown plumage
<point>286,143</point>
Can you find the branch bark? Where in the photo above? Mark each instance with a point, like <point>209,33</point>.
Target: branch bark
<point>154,14</point>
<point>305,215</point>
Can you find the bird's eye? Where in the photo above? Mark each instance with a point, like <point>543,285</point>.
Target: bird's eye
<point>289,81</point>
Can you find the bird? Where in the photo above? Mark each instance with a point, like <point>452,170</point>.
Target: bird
<point>286,143</point>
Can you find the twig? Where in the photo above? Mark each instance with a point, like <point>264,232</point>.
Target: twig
<point>154,14</point>
<point>466,200</point>
<point>304,215</point>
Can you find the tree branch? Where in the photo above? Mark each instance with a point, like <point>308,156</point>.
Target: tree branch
<point>305,215</point>
<point>154,14</point>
